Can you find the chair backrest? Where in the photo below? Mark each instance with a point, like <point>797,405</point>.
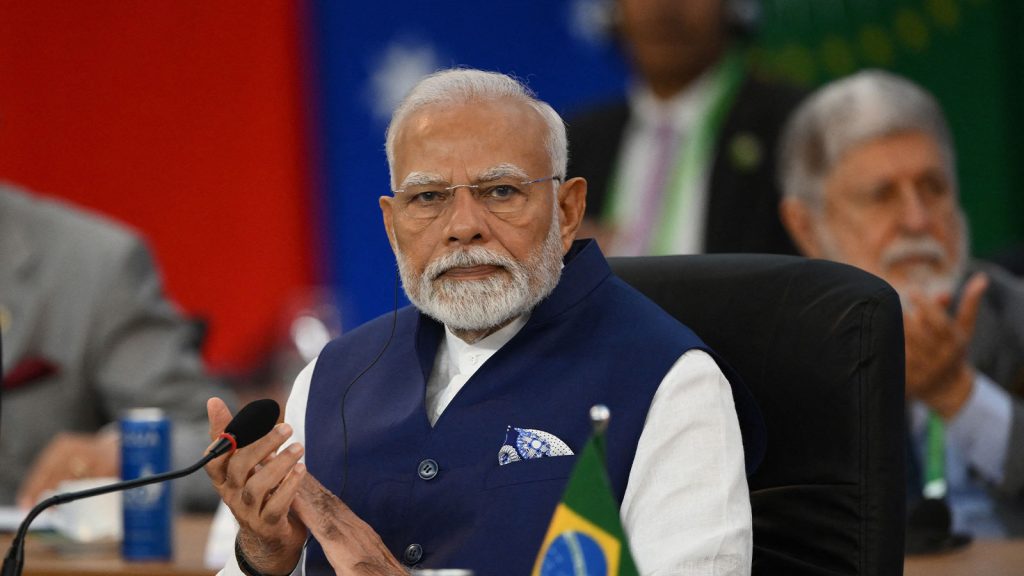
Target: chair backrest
<point>820,346</point>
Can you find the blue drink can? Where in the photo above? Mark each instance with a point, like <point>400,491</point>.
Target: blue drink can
<point>146,450</point>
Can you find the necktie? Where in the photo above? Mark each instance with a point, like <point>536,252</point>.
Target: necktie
<point>645,228</point>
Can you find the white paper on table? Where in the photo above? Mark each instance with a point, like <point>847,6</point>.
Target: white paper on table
<point>12,516</point>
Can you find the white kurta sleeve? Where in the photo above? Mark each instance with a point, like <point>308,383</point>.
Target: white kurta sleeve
<point>295,415</point>
<point>686,509</point>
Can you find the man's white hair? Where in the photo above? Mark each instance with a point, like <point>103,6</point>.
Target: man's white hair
<point>462,85</point>
<point>849,112</point>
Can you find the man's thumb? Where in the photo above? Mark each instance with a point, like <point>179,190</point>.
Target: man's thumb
<point>970,302</point>
<point>219,415</point>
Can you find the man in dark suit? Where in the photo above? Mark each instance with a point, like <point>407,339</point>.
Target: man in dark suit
<point>684,163</point>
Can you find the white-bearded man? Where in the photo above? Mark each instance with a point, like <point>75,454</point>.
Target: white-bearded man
<point>869,179</point>
<point>447,429</point>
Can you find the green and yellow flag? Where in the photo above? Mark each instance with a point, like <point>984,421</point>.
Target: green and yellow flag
<point>585,537</point>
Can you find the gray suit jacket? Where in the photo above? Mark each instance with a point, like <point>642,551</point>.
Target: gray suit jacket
<point>997,350</point>
<point>81,295</point>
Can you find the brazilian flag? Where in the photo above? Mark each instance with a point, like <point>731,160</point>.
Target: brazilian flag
<point>585,537</point>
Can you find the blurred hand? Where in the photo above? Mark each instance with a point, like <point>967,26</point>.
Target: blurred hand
<point>939,372</point>
<point>350,544</point>
<point>258,485</point>
<point>67,457</point>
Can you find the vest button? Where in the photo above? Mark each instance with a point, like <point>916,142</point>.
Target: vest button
<point>413,554</point>
<point>427,469</point>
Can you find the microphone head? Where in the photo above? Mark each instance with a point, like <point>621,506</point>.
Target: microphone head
<point>254,421</point>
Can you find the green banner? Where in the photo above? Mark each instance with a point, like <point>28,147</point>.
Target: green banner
<point>966,52</point>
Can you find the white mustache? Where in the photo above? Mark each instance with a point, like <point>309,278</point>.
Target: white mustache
<point>475,256</point>
<point>907,248</point>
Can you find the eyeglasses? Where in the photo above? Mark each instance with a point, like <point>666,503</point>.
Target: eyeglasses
<point>502,196</point>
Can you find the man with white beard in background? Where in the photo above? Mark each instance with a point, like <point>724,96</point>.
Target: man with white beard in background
<point>444,433</point>
<point>868,177</point>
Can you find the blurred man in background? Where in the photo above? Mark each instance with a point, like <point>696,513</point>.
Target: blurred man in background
<point>685,163</point>
<point>869,178</point>
<point>87,333</point>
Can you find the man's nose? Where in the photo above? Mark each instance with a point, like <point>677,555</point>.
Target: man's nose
<point>915,214</point>
<point>467,218</point>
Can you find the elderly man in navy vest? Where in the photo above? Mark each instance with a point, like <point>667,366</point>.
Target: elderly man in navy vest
<point>443,433</point>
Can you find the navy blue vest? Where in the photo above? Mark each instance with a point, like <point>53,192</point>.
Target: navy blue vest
<point>594,340</point>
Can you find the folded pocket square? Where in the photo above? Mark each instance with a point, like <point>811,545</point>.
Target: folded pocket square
<point>27,371</point>
<point>527,444</point>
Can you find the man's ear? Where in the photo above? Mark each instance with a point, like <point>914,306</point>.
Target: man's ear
<point>387,212</point>
<point>572,203</point>
<point>799,221</point>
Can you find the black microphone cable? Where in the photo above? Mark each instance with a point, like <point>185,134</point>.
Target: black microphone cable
<point>251,423</point>
<point>344,428</point>
<point>15,560</point>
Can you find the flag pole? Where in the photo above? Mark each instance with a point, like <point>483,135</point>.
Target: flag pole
<point>599,417</point>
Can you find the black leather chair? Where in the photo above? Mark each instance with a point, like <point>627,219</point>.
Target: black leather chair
<point>820,345</point>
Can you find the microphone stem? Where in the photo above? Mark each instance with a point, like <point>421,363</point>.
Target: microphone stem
<point>15,559</point>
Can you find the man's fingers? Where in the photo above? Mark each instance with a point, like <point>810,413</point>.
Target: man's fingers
<point>927,331</point>
<point>67,456</point>
<point>42,476</point>
<point>933,318</point>
<point>280,501</point>
<point>970,302</point>
<point>266,478</point>
<point>242,462</point>
<point>916,316</point>
<point>311,500</point>
<point>312,490</point>
<point>325,514</point>
<point>219,415</point>
<point>350,544</point>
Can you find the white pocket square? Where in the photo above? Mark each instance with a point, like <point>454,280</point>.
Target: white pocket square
<point>527,443</point>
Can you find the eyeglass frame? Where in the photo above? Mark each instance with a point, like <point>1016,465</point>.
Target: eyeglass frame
<point>477,187</point>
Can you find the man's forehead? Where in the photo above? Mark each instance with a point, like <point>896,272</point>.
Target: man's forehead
<point>462,142</point>
<point>891,156</point>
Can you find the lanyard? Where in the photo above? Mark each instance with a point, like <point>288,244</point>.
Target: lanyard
<point>694,155</point>
<point>935,458</point>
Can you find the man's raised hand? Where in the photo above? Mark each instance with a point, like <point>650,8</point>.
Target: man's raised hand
<point>352,547</point>
<point>259,485</point>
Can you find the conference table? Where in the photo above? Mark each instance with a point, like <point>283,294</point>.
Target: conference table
<point>988,558</point>
<point>44,555</point>
<point>983,557</point>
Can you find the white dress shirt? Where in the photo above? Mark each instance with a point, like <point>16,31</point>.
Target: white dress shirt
<point>976,440</point>
<point>686,509</point>
<point>636,166</point>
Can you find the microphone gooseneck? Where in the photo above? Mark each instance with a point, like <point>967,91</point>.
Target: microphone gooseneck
<point>251,423</point>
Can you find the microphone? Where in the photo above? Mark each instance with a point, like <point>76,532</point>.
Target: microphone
<point>251,423</point>
<point>929,529</point>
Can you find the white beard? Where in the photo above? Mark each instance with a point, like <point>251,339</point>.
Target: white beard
<point>490,302</point>
<point>923,280</point>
